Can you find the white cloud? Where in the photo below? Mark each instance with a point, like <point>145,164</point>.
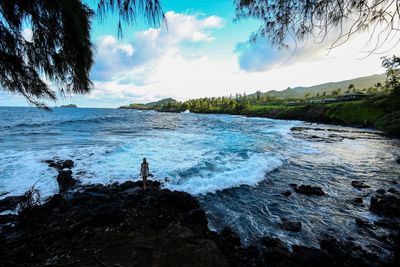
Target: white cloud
<point>260,55</point>
<point>161,63</point>
<point>115,60</point>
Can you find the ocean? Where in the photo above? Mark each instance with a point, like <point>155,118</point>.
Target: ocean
<point>236,166</point>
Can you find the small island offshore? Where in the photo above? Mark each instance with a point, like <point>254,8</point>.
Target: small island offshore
<point>249,133</point>
<point>69,106</point>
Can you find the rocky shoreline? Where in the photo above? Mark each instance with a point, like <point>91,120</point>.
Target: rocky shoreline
<point>123,225</point>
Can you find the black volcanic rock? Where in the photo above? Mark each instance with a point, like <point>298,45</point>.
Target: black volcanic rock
<point>11,203</point>
<point>362,223</point>
<point>309,190</point>
<point>392,190</point>
<point>123,225</point>
<point>381,191</point>
<point>65,180</point>
<point>68,164</point>
<point>286,193</point>
<point>359,184</point>
<point>7,218</point>
<point>388,205</point>
<point>60,164</point>
<point>102,224</point>
<point>274,251</point>
<point>293,226</point>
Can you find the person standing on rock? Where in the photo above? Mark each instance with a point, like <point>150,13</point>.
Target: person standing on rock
<point>144,172</point>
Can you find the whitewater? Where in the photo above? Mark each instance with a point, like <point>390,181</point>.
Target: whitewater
<point>236,166</point>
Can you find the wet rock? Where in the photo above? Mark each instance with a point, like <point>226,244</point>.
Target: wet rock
<point>286,193</point>
<point>7,218</point>
<point>154,228</point>
<point>68,164</point>
<point>346,254</point>
<point>293,226</point>
<point>132,191</point>
<point>309,190</point>
<point>388,205</point>
<point>53,165</point>
<point>11,203</point>
<point>65,180</point>
<point>274,251</point>
<point>381,191</point>
<point>392,190</point>
<point>389,223</point>
<point>197,216</point>
<point>363,223</point>
<point>398,160</point>
<point>331,244</point>
<point>230,238</point>
<point>359,184</point>
<point>59,164</point>
<point>358,200</point>
<point>305,256</point>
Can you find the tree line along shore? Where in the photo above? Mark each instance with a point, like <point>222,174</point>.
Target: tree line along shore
<point>376,106</point>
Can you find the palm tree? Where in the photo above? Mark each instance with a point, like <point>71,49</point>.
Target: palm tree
<point>59,49</point>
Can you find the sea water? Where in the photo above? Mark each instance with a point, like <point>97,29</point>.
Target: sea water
<point>236,166</point>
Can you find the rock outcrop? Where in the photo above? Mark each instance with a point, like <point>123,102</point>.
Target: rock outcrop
<point>359,184</point>
<point>386,204</point>
<point>123,225</point>
<point>309,190</point>
<point>65,180</point>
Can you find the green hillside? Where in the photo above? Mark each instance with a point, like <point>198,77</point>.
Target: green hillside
<point>161,102</point>
<point>299,92</point>
<point>150,105</point>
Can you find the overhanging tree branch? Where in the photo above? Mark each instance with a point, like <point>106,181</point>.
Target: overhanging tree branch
<point>60,52</point>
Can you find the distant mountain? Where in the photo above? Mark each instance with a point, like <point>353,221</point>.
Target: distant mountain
<point>150,105</point>
<point>69,106</point>
<point>298,92</point>
<point>161,102</point>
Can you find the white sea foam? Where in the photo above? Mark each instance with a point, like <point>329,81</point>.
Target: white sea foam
<point>225,151</point>
<point>235,173</point>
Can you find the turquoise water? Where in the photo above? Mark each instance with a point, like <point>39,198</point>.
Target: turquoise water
<point>236,166</point>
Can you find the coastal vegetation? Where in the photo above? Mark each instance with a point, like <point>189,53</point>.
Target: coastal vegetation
<point>59,47</point>
<point>375,106</point>
<point>151,105</point>
<point>122,223</point>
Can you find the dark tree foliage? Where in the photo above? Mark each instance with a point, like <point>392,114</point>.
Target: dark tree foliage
<point>392,66</point>
<point>128,11</point>
<point>60,51</point>
<point>284,19</point>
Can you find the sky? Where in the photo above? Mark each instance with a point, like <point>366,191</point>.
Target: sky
<point>202,53</point>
